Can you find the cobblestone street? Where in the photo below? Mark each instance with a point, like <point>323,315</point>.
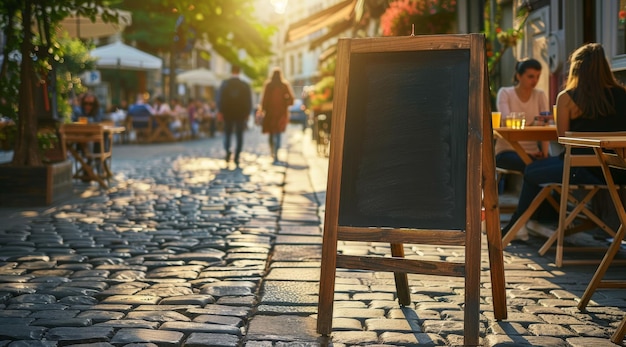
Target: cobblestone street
<point>184,250</point>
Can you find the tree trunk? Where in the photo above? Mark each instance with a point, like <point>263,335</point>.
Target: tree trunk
<point>27,147</point>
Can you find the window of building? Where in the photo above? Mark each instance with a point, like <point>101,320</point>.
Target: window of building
<point>292,66</point>
<point>299,62</point>
<point>620,47</point>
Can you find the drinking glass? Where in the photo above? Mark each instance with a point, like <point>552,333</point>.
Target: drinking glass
<point>495,119</point>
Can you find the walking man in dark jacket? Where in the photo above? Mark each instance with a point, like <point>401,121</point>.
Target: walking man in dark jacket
<point>234,102</point>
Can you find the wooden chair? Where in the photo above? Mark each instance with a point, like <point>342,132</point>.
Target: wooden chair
<point>572,207</point>
<point>610,153</point>
<point>160,131</point>
<point>90,147</point>
<point>500,173</point>
<point>141,128</point>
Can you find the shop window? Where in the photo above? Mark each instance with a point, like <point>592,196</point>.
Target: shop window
<point>621,26</point>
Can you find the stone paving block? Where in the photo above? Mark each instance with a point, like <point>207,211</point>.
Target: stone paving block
<point>587,330</point>
<point>559,319</point>
<point>393,325</point>
<point>374,296</point>
<point>165,292</point>
<point>290,293</point>
<point>132,299</point>
<point>21,332</point>
<point>161,338</point>
<point>288,274</point>
<point>404,339</point>
<point>590,341</point>
<point>408,313</point>
<point>346,324</point>
<point>540,309</point>
<point>300,230</point>
<point>223,310</point>
<point>523,341</point>
<point>207,339</point>
<point>195,327</point>
<point>215,319</point>
<point>558,303</point>
<point>445,327</point>
<point>55,314</point>
<point>297,253</point>
<point>354,337</point>
<point>230,274</point>
<point>228,288</point>
<point>97,316</point>
<point>550,330</point>
<point>37,307</point>
<point>129,323</point>
<point>282,328</point>
<point>358,313</point>
<point>65,322</point>
<point>384,304</point>
<point>287,309</point>
<point>298,239</point>
<point>248,300</point>
<point>436,306</point>
<point>70,335</point>
<point>506,328</point>
<point>352,287</point>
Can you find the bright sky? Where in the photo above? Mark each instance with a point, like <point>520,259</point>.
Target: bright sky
<point>279,5</point>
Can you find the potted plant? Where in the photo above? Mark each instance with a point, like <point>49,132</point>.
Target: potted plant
<point>28,86</point>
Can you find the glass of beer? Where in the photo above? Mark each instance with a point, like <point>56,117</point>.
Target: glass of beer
<point>495,119</point>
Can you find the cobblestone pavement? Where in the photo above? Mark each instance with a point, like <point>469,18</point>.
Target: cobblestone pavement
<point>184,251</point>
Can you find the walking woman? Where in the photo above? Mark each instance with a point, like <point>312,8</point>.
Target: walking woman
<point>277,97</point>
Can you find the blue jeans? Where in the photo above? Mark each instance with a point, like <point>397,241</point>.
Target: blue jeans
<point>275,140</point>
<point>509,160</point>
<point>239,126</point>
<point>549,170</point>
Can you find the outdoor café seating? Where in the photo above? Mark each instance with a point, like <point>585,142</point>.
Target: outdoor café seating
<point>90,145</point>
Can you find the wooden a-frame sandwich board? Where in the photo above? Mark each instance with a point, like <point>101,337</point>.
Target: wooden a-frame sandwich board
<point>411,161</point>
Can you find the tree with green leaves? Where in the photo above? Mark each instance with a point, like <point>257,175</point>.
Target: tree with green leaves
<point>229,26</point>
<point>30,55</point>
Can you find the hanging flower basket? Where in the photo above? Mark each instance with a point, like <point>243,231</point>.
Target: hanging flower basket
<point>404,17</point>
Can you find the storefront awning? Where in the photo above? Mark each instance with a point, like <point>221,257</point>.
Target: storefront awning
<point>342,11</point>
<point>335,31</point>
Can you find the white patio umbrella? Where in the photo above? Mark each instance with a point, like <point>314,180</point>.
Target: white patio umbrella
<point>198,77</point>
<point>120,56</point>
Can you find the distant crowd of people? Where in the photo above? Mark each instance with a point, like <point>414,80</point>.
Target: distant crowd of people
<point>230,112</point>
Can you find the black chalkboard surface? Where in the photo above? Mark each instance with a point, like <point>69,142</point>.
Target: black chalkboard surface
<point>405,140</point>
<point>411,162</point>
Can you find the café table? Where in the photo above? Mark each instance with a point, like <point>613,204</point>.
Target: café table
<point>528,133</point>
<point>610,152</point>
<point>90,145</point>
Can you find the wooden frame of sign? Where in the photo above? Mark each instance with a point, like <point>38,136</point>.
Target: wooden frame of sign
<point>411,147</point>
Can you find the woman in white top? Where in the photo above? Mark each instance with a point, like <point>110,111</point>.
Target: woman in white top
<point>522,97</point>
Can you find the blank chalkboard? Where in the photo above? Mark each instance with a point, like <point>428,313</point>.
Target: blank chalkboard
<point>411,159</point>
<point>405,153</point>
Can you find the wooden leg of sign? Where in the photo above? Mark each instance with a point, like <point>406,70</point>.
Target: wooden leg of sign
<point>402,282</point>
<point>472,288</point>
<point>327,281</point>
<point>494,242</point>
<point>492,215</point>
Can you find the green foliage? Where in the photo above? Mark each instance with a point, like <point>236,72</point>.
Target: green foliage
<point>229,26</point>
<point>499,41</point>
<point>29,27</point>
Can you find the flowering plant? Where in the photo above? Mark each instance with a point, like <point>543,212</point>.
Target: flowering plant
<point>405,17</point>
